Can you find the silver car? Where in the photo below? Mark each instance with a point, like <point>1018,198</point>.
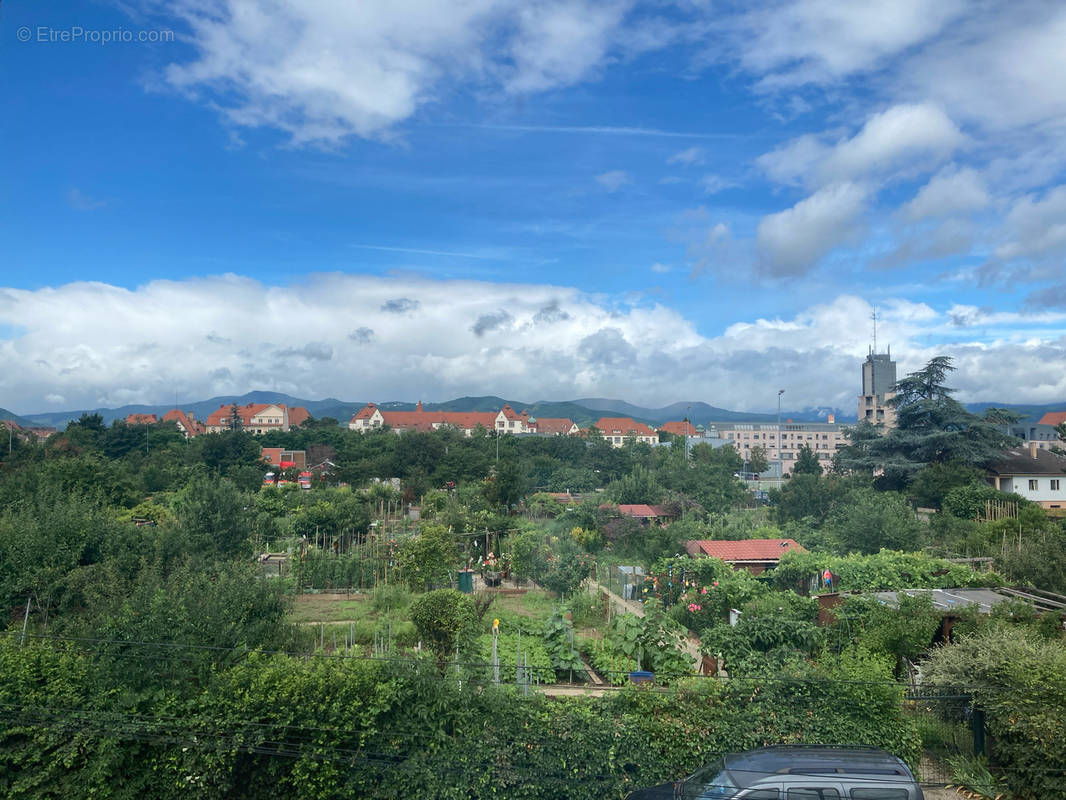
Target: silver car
<point>795,772</point>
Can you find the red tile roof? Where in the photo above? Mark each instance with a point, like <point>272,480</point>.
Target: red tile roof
<point>142,419</point>
<point>554,425</point>
<point>1053,418</point>
<point>681,428</point>
<point>192,426</point>
<point>622,426</point>
<point>297,416</point>
<point>425,421</point>
<point>222,417</point>
<point>638,510</point>
<point>743,550</point>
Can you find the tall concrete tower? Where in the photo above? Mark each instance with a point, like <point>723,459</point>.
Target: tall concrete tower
<point>878,382</point>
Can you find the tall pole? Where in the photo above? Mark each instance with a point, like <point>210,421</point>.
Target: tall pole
<point>780,455</point>
<point>688,424</point>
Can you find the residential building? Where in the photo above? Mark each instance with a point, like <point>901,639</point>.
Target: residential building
<point>554,426</point>
<point>507,421</point>
<point>754,555</point>
<point>618,430</point>
<point>682,428</point>
<point>371,417</point>
<point>878,388</point>
<point>782,443</point>
<point>1042,432</point>
<point>1032,472</point>
<point>257,417</point>
<point>142,419</point>
<point>189,425</point>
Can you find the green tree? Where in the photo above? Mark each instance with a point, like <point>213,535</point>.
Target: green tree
<point>807,462</point>
<point>446,620</point>
<point>931,428</point>
<point>757,459</point>
<point>866,521</point>
<point>427,558</point>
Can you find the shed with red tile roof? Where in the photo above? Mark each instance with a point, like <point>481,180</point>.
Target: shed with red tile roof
<point>754,555</point>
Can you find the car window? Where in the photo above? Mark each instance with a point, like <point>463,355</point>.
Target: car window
<point>762,794</point>
<point>813,793</point>
<point>879,794</point>
<point>709,785</point>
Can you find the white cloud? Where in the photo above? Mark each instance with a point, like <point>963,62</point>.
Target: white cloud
<point>614,180</point>
<point>713,184</point>
<point>901,139</point>
<point>688,157</point>
<point>1037,226</point>
<point>84,345</point>
<point>791,242</point>
<point>80,201</point>
<point>949,192</point>
<point>657,267</point>
<point>818,41</point>
<point>560,43</point>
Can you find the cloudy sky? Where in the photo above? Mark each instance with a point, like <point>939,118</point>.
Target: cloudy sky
<point>551,199</point>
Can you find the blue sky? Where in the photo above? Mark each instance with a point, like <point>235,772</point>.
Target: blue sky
<point>657,201</point>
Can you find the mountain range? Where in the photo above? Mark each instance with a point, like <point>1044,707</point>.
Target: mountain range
<point>583,411</point>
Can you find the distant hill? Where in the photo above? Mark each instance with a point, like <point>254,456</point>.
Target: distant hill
<point>22,421</point>
<point>1030,413</point>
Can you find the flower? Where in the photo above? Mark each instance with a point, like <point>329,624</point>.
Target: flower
<point>694,607</point>
<point>703,590</point>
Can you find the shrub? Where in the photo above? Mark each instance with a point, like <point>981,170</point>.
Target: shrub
<point>445,620</point>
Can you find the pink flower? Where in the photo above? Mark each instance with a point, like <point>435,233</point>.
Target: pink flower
<point>716,583</point>
<point>703,590</point>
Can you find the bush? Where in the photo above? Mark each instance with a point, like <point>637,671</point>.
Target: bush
<point>446,621</point>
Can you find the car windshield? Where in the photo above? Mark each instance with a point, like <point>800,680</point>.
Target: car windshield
<point>710,783</point>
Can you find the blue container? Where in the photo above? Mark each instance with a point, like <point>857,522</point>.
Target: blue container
<point>641,676</point>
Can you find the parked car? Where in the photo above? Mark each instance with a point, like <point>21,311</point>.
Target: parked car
<point>795,772</point>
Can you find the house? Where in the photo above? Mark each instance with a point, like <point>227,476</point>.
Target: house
<point>257,417</point>
<point>754,555</point>
<point>554,426</point>
<point>283,459</point>
<point>142,419</point>
<point>189,425</point>
<point>682,428</point>
<point>508,421</point>
<point>1032,472</point>
<point>371,417</point>
<point>647,514</point>
<point>618,430</point>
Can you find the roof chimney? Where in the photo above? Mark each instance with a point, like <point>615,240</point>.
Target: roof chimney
<point>832,418</point>
<point>1032,449</point>
<point>418,407</point>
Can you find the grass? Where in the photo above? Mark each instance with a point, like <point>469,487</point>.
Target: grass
<point>329,608</point>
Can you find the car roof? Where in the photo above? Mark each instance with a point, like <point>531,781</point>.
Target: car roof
<point>817,759</point>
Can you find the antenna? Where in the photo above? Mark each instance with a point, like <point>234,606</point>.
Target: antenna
<point>875,316</point>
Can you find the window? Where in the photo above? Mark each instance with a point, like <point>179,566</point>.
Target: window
<point>813,793</point>
<point>879,794</point>
<point>1033,483</point>
<point>763,794</point>
<point>1054,484</point>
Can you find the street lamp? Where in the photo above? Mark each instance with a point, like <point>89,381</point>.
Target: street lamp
<point>780,455</point>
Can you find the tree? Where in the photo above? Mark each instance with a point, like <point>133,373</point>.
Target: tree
<point>931,428</point>
<point>445,619</point>
<point>428,558</point>
<point>866,521</point>
<point>757,459</point>
<point>807,462</point>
